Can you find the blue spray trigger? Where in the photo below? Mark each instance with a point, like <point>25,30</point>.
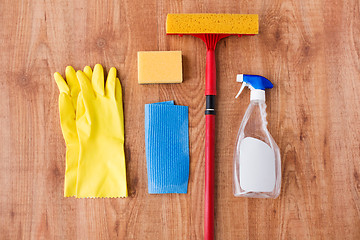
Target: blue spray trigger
<point>254,82</point>
<point>257,82</point>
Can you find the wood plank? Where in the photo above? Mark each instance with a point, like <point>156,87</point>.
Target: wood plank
<point>308,49</point>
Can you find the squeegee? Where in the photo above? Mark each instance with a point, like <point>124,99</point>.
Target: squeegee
<point>211,28</point>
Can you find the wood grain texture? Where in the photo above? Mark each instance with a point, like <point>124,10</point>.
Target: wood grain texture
<point>310,51</point>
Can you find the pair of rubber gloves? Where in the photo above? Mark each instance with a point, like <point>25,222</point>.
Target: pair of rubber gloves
<point>91,117</point>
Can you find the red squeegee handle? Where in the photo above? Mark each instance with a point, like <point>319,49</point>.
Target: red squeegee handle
<point>210,92</point>
<point>209,177</point>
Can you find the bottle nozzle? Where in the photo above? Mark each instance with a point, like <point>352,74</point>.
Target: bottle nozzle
<point>241,89</point>
<point>256,83</point>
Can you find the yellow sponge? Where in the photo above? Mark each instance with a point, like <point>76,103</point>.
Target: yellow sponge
<point>212,23</point>
<point>159,67</point>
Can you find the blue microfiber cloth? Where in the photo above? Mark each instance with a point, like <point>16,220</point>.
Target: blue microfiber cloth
<point>167,147</point>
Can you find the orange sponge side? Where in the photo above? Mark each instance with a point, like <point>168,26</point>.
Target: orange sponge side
<point>199,23</point>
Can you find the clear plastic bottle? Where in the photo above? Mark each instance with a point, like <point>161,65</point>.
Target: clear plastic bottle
<point>257,162</point>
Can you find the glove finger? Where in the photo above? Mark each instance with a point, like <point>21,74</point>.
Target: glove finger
<point>72,81</point>
<point>67,118</point>
<point>111,74</point>
<point>60,82</point>
<point>118,91</point>
<point>80,108</point>
<point>110,83</point>
<point>119,103</point>
<point>97,79</point>
<point>88,72</point>
<point>83,120</point>
<point>85,85</point>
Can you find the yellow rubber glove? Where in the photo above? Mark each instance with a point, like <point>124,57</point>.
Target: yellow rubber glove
<point>100,127</point>
<point>69,91</point>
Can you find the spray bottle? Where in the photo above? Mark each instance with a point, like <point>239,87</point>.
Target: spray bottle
<point>257,162</point>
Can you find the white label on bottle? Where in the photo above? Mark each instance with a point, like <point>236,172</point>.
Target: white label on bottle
<point>257,166</point>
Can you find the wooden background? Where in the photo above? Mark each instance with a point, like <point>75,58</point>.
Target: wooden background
<point>308,49</point>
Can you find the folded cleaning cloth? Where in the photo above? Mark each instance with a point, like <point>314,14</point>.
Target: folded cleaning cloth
<point>167,147</point>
